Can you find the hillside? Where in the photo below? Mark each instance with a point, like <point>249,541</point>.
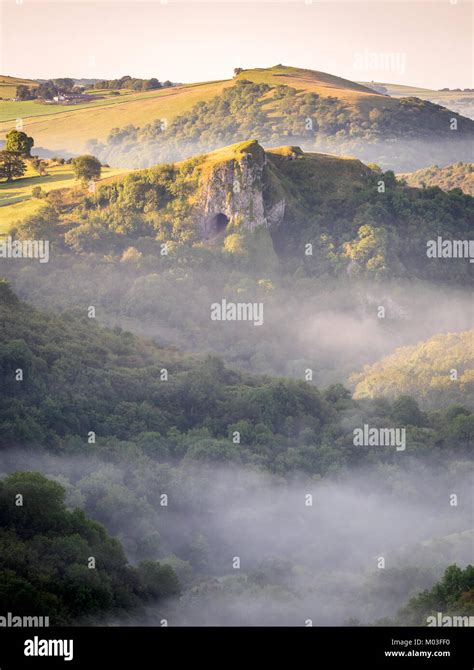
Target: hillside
<point>323,114</point>
<point>170,405</point>
<point>292,198</point>
<point>16,197</point>
<point>121,391</point>
<point>460,175</point>
<point>461,102</point>
<point>152,250</point>
<point>45,559</point>
<point>424,371</point>
<point>318,111</point>
<point>65,130</point>
<point>310,81</point>
<point>8,85</point>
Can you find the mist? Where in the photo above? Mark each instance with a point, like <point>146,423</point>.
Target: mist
<point>308,550</point>
<point>333,327</point>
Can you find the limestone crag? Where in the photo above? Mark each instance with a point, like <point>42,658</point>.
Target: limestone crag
<point>231,191</point>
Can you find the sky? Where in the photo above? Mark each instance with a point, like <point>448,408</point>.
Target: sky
<point>419,43</point>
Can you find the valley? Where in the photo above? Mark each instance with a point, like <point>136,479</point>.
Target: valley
<point>237,367</point>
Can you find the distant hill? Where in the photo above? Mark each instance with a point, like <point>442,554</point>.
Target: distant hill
<point>8,85</point>
<point>278,105</point>
<point>460,175</point>
<point>461,102</point>
<point>316,111</point>
<point>424,371</point>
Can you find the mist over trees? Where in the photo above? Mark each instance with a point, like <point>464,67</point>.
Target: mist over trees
<point>412,135</point>
<point>162,465</point>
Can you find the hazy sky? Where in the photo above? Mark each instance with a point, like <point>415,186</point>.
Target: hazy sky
<point>426,43</point>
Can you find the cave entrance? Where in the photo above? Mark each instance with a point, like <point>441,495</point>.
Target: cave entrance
<point>219,223</point>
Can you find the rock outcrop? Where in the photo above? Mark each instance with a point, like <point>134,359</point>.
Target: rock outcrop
<point>231,190</point>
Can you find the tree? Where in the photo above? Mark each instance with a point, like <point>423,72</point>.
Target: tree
<point>19,142</point>
<point>39,166</point>
<point>405,411</point>
<point>86,167</point>
<point>46,90</point>
<point>23,93</point>
<point>11,165</point>
<point>452,595</point>
<point>64,83</point>
<point>152,83</point>
<point>158,581</point>
<point>39,226</point>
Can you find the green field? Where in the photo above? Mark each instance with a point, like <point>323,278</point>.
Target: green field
<point>16,201</point>
<point>68,128</point>
<point>8,85</point>
<point>11,110</point>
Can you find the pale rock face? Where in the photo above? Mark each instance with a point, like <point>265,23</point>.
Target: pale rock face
<point>232,192</point>
<point>275,213</point>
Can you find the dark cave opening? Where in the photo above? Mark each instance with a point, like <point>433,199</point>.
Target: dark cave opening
<point>219,223</point>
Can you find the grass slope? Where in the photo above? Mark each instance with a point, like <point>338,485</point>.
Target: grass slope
<point>9,84</point>
<point>67,128</point>
<point>311,81</point>
<point>16,201</point>
<point>72,127</point>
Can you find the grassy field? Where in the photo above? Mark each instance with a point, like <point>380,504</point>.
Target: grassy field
<point>8,85</point>
<point>67,129</point>
<point>11,110</point>
<point>16,201</point>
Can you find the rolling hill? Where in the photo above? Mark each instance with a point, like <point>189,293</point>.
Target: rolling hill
<point>460,175</point>
<point>292,198</point>
<point>436,372</point>
<point>66,130</point>
<point>316,110</point>
<point>270,227</point>
<point>8,85</point>
<point>309,81</point>
<point>461,102</point>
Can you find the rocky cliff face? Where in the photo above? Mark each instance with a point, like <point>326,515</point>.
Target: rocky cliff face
<point>231,191</point>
